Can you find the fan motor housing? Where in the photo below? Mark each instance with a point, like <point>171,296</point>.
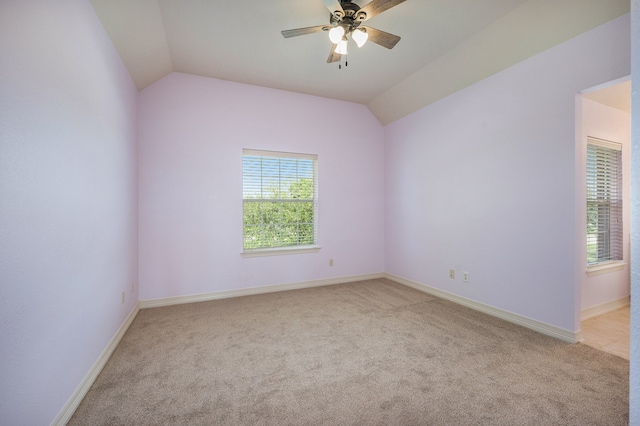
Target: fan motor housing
<point>351,18</point>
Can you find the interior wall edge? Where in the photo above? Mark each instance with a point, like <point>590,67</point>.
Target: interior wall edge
<point>634,374</point>
<point>612,305</point>
<point>78,395</point>
<point>226,294</point>
<point>541,327</point>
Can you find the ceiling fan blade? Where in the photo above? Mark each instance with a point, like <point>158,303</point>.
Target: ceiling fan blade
<point>333,56</point>
<point>382,38</point>
<point>303,31</point>
<point>378,6</point>
<point>333,6</point>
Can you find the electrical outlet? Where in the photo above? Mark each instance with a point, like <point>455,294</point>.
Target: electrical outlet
<point>330,262</point>
<point>452,274</point>
<point>465,276</point>
<point>123,297</point>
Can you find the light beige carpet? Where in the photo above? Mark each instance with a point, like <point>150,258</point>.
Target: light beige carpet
<point>372,352</point>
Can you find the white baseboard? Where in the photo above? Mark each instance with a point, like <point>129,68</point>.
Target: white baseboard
<point>74,401</point>
<point>203,297</point>
<point>550,330</point>
<point>544,328</point>
<point>594,311</point>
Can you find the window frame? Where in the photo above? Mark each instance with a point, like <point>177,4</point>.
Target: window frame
<point>609,198</point>
<point>284,249</point>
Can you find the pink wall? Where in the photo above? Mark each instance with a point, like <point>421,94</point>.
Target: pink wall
<point>67,202</point>
<point>483,181</point>
<point>600,121</point>
<point>192,132</point>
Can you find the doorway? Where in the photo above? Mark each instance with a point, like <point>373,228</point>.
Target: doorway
<point>604,114</point>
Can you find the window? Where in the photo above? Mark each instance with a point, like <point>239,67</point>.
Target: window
<point>279,195</point>
<point>604,201</point>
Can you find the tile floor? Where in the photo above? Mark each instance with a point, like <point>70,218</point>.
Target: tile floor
<point>609,332</point>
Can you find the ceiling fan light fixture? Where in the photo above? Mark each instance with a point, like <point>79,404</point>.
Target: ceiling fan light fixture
<point>345,22</point>
<point>336,34</point>
<point>342,47</point>
<point>360,36</point>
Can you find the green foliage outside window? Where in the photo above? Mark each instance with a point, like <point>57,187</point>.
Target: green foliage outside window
<point>596,237</point>
<point>278,211</point>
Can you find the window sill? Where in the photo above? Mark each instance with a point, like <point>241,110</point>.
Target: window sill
<point>280,251</point>
<point>605,268</point>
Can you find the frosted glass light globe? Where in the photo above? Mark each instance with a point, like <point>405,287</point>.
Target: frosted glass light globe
<point>335,34</point>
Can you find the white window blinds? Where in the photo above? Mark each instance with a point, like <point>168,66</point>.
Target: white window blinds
<point>279,192</point>
<point>604,201</point>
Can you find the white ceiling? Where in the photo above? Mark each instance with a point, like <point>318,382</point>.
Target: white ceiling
<point>445,46</point>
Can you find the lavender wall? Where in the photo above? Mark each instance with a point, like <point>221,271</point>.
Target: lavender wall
<point>192,132</point>
<point>484,181</point>
<point>67,202</point>
<point>604,122</point>
<point>634,377</point>
<point>470,186</point>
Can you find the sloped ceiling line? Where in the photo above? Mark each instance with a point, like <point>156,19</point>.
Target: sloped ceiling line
<point>446,45</point>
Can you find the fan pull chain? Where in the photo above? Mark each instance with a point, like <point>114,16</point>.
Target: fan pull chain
<point>346,62</point>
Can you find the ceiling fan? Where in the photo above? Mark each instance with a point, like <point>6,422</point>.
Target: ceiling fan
<point>346,19</point>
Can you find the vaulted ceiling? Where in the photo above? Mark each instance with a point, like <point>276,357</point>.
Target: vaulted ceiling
<point>445,45</point>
